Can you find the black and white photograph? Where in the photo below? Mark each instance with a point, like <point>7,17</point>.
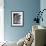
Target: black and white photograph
<point>17,18</point>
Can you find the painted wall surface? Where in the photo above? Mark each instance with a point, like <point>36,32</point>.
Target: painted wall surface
<point>43,6</point>
<point>29,7</point>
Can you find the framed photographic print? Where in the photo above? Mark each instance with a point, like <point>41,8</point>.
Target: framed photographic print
<point>17,18</point>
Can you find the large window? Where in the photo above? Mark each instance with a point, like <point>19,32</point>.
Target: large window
<point>1,24</point>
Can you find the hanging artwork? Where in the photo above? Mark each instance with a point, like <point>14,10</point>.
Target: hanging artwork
<point>17,18</point>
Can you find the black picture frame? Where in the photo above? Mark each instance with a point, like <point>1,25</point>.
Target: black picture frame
<point>17,18</point>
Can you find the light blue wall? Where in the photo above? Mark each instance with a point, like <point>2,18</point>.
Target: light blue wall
<point>43,6</point>
<point>29,7</point>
